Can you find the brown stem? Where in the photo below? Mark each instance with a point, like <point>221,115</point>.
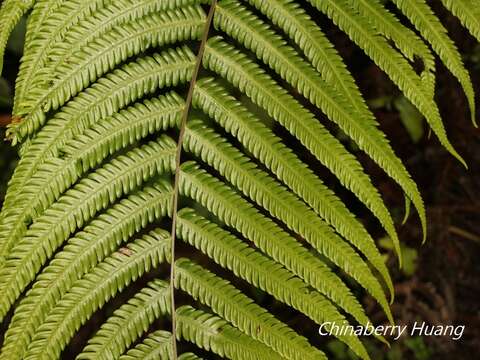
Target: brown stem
<point>181,135</point>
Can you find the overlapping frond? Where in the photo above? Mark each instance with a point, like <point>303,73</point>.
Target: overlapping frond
<point>102,55</point>
<point>249,78</point>
<point>127,323</point>
<point>83,299</point>
<point>75,25</point>
<point>156,345</point>
<point>34,250</point>
<point>82,253</point>
<point>117,111</point>
<point>242,312</point>
<point>420,14</point>
<point>10,13</point>
<point>100,101</point>
<point>398,69</point>
<point>468,12</point>
<point>215,334</point>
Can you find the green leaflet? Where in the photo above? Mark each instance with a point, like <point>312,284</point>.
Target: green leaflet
<point>249,78</point>
<point>433,31</point>
<point>82,253</point>
<point>10,13</point>
<point>235,211</point>
<point>108,95</point>
<point>389,26</point>
<point>268,194</point>
<point>284,286</point>
<point>26,260</point>
<point>77,24</point>
<point>397,68</point>
<point>321,53</point>
<point>121,175</point>
<point>214,334</point>
<point>102,100</point>
<point>267,147</point>
<point>157,345</point>
<point>99,57</point>
<point>43,26</point>
<point>127,323</point>
<point>86,296</point>
<point>467,12</point>
<point>242,312</point>
<point>124,128</point>
<point>100,95</point>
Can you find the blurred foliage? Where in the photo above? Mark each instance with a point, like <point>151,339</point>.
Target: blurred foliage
<point>411,118</point>
<point>409,255</point>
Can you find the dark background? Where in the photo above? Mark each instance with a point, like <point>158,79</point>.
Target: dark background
<point>440,283</point>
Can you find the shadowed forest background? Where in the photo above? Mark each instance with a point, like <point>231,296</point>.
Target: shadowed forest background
<point>440,282</point>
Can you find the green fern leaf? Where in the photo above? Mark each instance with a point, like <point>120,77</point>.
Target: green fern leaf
<point>127,323</point>
<point>102,55</point>
<point>85,297</point>
<point>262,90</point>
<point>76,24</point>
<point>433,31</point>
<point>467,12</point>
<point>157,345</point>
<point>398,69</point>
<point>82,253</point>
<point>329,64</point>
<point>10,13</point>
<point>242,312</point>
<point>108,96</point>
<point>214,334</point>
<point>243,90</point>
<point>284,286</point>
<point>29,255</point>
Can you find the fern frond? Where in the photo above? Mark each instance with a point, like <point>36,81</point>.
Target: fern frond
<point>43,24</point>
<point>205,236</point>
<point>127,323</point>
<point>93,193</point>
<point>189,356</point>
<point>103,99</point>
<point>82,253</point>
<point>90,293</point>
<point>214,334</point>
<point>230,303</point>
<point>358,28</point>
<point>99,57</point>
<point>32,252</point>
<point>389,26</point>
<point>100,79</point>
<point>156,345</point>
<point>11,12</point>
<point>238,213</point>
<point>73,26</point>
<point>90,148</point>
<point>420,14</point>
<point>317,48</point>
<point>249,78</point>
<point>468,12</point>
<point>261,188</point>
<point>262,272</point>
<point>268,148</point>
<point>124,128</point>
